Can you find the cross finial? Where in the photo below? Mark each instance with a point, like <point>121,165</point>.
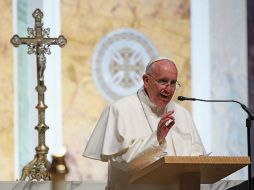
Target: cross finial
<point>38,42</point>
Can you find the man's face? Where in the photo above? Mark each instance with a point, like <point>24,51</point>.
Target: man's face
<point>159,82</point>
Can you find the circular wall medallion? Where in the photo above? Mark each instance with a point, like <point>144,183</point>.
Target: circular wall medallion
<point>119,62</point>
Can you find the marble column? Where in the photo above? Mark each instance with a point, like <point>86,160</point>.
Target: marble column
<point>219,71</point>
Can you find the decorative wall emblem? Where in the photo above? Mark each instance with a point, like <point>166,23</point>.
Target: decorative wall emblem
<point>119,62</point>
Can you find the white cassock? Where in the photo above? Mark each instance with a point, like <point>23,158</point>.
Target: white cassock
<point>126,131</point>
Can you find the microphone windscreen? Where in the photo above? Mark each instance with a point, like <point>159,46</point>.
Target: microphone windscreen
<point>181,98</point>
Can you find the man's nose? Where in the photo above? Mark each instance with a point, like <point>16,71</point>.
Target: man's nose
<point>169,87</point>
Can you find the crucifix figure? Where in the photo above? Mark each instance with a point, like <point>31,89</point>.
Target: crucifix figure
<point>38,42</point>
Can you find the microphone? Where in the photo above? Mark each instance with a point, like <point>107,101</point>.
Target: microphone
<point>245,108</point>
<point>182,98</point>
<point>248,125</point>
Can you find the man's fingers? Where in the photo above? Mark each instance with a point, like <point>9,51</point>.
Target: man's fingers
<point>170,124</point>
<point>166,120</point>
<point>165,124</point>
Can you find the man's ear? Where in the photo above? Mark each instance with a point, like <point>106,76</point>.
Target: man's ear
<point>145,80</point>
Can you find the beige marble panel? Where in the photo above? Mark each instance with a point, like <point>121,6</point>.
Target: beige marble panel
<point>6,95</point>
<point>165,22</point>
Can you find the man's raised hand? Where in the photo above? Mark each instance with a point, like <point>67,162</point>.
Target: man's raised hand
<point>165,124</point>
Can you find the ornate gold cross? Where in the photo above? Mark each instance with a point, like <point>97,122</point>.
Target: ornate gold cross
<point>38,42</point>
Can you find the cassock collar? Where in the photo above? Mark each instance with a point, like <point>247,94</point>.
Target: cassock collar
<point>158,111</point>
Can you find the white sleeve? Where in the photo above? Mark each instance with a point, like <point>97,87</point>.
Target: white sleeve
<point>148,146</point>
<point>114,138</point>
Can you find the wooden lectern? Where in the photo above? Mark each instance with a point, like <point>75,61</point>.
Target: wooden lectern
<point>187,172</point>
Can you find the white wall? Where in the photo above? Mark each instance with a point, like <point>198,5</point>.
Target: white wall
<point>219,71</point>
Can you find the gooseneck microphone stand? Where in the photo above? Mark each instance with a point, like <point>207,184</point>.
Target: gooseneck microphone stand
<point>248,125</point>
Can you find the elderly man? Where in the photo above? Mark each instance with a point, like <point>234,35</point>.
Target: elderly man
<point>146,123</point>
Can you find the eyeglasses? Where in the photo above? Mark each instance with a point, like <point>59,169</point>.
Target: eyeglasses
<point>163,82</point>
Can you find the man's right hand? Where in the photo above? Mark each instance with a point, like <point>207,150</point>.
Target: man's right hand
<point>165,124</point>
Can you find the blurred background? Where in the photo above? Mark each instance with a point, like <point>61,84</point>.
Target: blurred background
<point>109,44</point>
